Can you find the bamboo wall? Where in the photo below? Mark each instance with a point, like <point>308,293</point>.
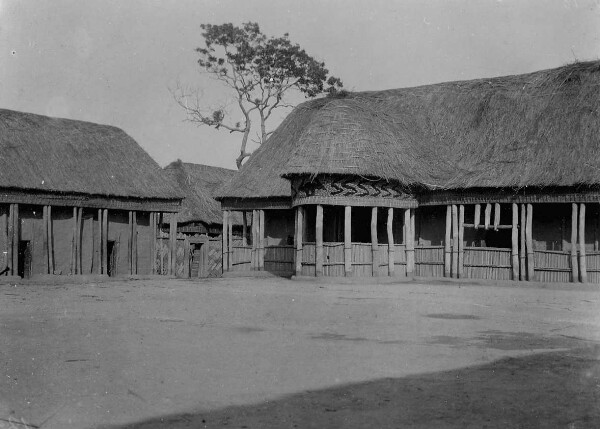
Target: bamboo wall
<point>487,263</point>
<point>429,261</point>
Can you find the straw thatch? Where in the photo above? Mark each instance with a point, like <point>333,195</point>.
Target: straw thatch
<point>199,183</point>
<point>38,153</point>
<point>537,129</point>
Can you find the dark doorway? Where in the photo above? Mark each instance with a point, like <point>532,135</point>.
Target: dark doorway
<point>112,258</point>
<point>24,268</point>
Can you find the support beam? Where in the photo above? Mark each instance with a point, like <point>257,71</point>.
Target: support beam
<point>130,242</point>
<point>299,236</point>
<point>319,242</point>
<point>16,238</point>
<point>9,239</point>
<point>454,241</point>
<point>409,220</point>
<point>105,241</point>
<point>514,252</point>
<point>447,244</point>
<point>261,240</point>
<point>225,244</point>
<point>45,238</point>
<point>100,240</point>
<point>477,219</point>
<point>391,247</point>
<point>152,243</point>
<point>582,261</point>
<point>134,244</point>
<point>461,235</point>
<point>348,241</point>
<point>4,231</point>
<point>523,250</point>
<point>496,216</point>
<point>173,245</point>
<point>74,242</point>
<point>230,241</point>
<point>574,262</point>
<point>529,243</point>
<point>244,228</point>
<point>488,214</point>
<point>254,251</point>
<point>50,241</point>
<point>374,243</point>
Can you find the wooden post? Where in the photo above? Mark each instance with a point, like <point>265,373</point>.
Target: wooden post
<point>105,241</point>
<point>454,241</point>
<point>100,241</point>
<point>261,240</point>
<point>299,238</point>
<point>4,231</point>
<point>523,271</point>
<point>574,263</point>
<point>374,243</point>
<point>50,241</point>
<point>173,245</point>
<point>254,251</point>
<point>225,245</point>
<point>529,243</point>
<point>74,243</point>
<point>130,242</point>
<point>230,241</point>
<point>45,238</point>
<point>409,219</point>
<point>152,243</point>
<point>488,213</point>
<point>515,242</point>
<point>10,237</point>
<point>461,235</point>
<point>348,241</point>
<point>447,238</point>
<point>134,244</point>
<point>244,229</point>
<point>319,242</point>
<point>477,219</point>
<point>391,247</point>
<point>16,238</point>
<point>496,216</point>
<point>582,261</point>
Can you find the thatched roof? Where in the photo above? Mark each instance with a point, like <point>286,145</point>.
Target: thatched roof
<point>38,153</point>
<point>199,184</point>
<point>536,129</point>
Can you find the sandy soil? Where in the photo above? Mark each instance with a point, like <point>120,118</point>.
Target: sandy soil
<point>271,353</point>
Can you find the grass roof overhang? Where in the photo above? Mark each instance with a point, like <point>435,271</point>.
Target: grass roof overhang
<point>39,153</point>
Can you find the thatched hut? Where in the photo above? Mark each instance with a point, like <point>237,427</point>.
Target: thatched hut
<point>491,178</point>
<point>77,198</point>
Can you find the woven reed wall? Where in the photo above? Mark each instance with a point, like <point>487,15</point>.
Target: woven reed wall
<point>552,266</point>
<point>333,259</point>
<point>362,260</point>
<point>592,260</point>
<point>429,261</point>
<point>487,263</point>
<point>308,258</point>
<point>241,257</point>
<point>279,258</point>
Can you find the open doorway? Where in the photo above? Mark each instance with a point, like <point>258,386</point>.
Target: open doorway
<point>24,263</point>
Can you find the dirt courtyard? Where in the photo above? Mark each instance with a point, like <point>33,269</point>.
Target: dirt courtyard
<point>274,353</point>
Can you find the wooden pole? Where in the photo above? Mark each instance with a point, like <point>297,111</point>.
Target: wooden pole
<point>254,251</point>
<point>515,242</point>
<point>244,229</point>
<point>100,240</point>
<point>4,231</point>
<point>477,219</point>
<point>74,243</point>
<point>79,240</point>
<point>496,216</point>
<point>582,261</point>
<point>447,238</point>
<point>9,239</point>
<point>529,243</point>
<point>391,247</point>
<point>134,241</point>
<point>45,238</point>
<point>299,239</point>
<point>409,217</point>
<point>319,242</point>
<point>261,240</point>
<point>225,246</point>
<point>461,235</point>
<point>173,244</point>
<point>152,243</point>
<point>523,271</point>
<point>16,238</point>
<point>230,241</point>
<point>454,241</point>
<point>50,241</point>
<point>105,241</point>
<point>574,263</point>
<point>488,213</point>
<point>130,243</point>
<point>374,243</point>
<point>348,241</point>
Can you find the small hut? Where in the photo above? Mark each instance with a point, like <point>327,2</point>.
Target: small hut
<point>77,198</point>
<point>199,222</point>
<point>492,178</point>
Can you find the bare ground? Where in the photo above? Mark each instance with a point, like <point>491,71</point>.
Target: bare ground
<point>274,353</point>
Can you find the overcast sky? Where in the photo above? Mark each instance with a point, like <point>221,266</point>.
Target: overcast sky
<point>113,61</point>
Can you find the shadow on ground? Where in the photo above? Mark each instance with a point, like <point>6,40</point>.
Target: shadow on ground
<point>559,389</point>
